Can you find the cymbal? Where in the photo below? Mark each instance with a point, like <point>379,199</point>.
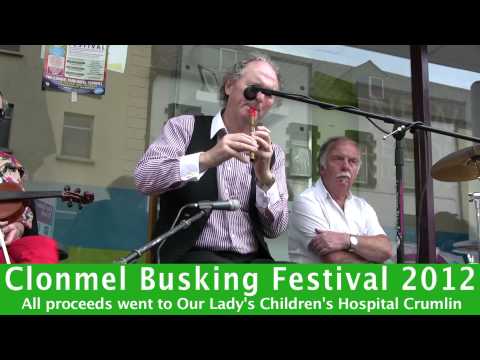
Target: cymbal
<point>462,165</point>
<point>466,246</point>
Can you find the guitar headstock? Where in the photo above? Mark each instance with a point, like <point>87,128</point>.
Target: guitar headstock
<point>77,197</point>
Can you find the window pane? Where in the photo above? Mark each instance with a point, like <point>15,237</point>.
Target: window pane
<point>77,135</point>
<point>76,143</point>
<point>374,78</point>
<point>78,120</point>
<point>454,74</point>
<point>161,81</point>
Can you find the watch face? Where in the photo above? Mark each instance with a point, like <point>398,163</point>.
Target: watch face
<point>354,240</point>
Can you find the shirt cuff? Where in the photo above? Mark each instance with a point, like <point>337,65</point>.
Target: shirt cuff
<point>190,167</point>
<point>267,199</point>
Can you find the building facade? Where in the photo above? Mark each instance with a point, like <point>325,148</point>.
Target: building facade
<point>93,142</point>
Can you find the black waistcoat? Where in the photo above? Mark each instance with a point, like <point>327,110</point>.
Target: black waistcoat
<point>204,189</point>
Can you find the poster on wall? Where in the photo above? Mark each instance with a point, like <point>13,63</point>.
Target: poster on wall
<point>75,68</point>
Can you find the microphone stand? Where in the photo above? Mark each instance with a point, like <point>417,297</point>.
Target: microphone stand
<point>400,128</point>
<point>399,193</point>
<point>135,254</point>
<point>399,133</point>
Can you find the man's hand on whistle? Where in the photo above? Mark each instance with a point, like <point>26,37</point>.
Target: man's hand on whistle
<point>263,155</point>
<point>238,145</point>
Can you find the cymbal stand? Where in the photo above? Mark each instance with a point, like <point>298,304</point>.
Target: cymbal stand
<point>475,198</point>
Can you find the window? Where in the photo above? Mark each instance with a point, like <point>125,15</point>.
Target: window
<point>367,174</point>
<point>77,135</point>
<point>228,58</point>
<point>375,87</point>
<point>362,177</point>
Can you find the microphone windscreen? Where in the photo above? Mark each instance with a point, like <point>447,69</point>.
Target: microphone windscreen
<point>235,204</point>
<point>250,93</point>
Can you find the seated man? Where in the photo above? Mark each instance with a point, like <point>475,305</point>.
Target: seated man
<point>328,223</point>
<point>22,241</point>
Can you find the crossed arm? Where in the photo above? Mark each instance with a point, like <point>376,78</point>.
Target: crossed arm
<point>331,243</point>
<point>332,247</point>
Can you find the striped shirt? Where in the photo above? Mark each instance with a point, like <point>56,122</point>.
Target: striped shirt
<point>165,167</point>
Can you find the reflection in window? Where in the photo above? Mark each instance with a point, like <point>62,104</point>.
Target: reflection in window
<point>367,174</point>
<point>362,177</point>
<point>375,87</point>
<point>409,165</point>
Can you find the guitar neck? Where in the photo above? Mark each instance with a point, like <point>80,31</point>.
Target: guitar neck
<point>23,195</point>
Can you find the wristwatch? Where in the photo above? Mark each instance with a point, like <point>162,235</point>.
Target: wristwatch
<point>353,243</point>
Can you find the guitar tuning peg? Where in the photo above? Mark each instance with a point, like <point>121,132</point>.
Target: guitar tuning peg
<point>67,188</point>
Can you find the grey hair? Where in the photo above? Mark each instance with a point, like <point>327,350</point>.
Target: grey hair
<point>237,71</point>
<point>327,146</point>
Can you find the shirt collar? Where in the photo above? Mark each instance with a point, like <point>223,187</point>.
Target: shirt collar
<point>323,192</point>
<point>217,125</point>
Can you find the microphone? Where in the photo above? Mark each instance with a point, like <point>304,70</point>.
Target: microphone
<point>250,92</point>
<point>230,205</point>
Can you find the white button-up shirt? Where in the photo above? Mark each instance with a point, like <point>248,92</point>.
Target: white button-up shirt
<point>316,209</point>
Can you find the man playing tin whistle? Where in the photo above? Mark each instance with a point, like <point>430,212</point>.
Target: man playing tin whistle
<point>224,157</point>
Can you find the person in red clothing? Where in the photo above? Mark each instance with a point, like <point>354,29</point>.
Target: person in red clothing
<point>23,244</point>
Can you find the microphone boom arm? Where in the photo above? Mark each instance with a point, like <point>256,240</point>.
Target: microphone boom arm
<point>353,110</point>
